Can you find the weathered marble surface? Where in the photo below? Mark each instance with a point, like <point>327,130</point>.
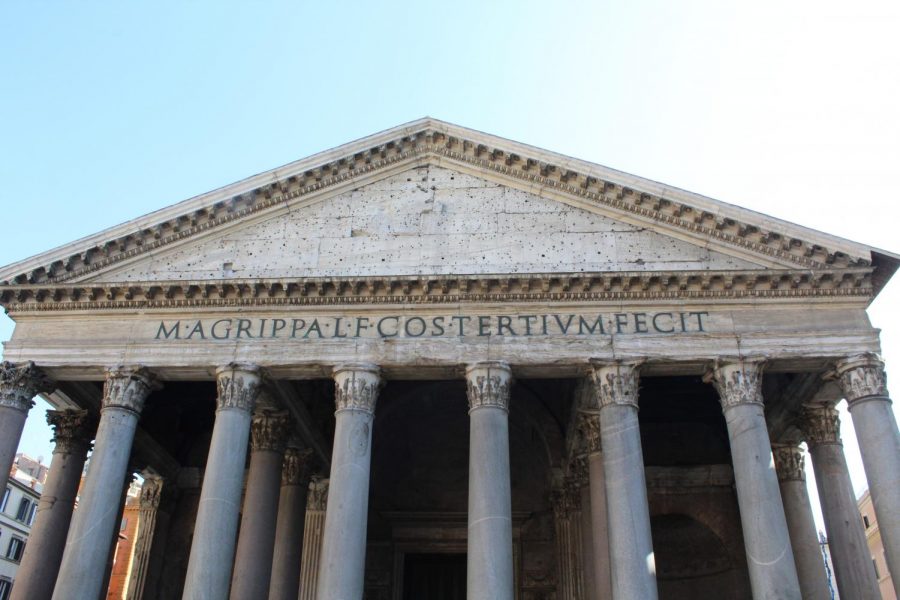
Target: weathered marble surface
<point>427,220</point>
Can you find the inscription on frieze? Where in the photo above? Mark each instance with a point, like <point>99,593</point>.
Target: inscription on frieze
<point>433,326</point>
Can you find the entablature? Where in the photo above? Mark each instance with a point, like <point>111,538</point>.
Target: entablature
<point>442,289</point>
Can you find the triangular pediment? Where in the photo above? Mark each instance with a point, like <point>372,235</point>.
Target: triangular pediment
<point>426,220</point>
<point>429,199</point>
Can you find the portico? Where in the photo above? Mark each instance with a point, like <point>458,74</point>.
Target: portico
<point>456,345</point>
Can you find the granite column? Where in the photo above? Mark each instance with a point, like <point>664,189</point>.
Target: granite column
<point>342,565</point>
<point>256,541</point>
<point>489,573</point>
<point>72,434</point>
<point>846,537</point>
<point>773,573</point>
<point>632,566</point>
<point>864,383</point>
<point>19,384</point>
<point>590,427</point>
<point>94,524</point>
<point>801,526</point>
<point>215,531</point>
<point>295,473</point>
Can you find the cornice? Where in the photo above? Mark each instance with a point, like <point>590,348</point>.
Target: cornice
<point>398,289</point>
<point>428,140</point>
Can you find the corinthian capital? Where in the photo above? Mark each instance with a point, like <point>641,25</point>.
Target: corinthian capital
<point>738,382</point>
<point>297,466</point>
<point>72,430</point>
<point>238,387</point>
<point>128,388</point>
<point>589,425</point>
<point>20,383</point>
<point>356,386</point>
<point>821,424</point>
<point>151,492</point>
<point>488,384</point>
<point>269,432</point>
<point>616,383</point>
<point>317,497</point>
<point>788,462</point>
<point>862,376</point>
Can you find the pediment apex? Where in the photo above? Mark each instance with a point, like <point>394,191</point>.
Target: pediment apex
<point>431,141</point>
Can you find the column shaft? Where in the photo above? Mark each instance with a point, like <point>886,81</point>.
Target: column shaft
<point>73,430</point>
<point>633,570</point>
<point>590,425</point>
<point>489,574</point>
<point>846,537</point>
<point>342,566</point>
<point>865,388</point>
<point>801,526</point>
<point>773,573</point>
<point>256,541</point>
<point>313,532</point>
<point>94,524</point>
<point>286,565</point>
<point>212,550</point>
<point>588,560</point>
<point>19,383</point>
<point>151,491</point>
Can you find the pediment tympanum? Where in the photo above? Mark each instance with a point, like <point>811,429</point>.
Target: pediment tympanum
<point>426,221</point>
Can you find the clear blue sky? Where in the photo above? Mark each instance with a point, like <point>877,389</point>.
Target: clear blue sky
<point>111,110</point>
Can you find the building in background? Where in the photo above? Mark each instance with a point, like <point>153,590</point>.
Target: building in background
<point>18,507</point>
<point>876,547</point>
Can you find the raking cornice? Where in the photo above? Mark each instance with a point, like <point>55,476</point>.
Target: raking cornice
<point>780,243</point>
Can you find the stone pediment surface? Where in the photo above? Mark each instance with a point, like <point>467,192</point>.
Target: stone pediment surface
<point>426,220</point>
<point>487,205</point>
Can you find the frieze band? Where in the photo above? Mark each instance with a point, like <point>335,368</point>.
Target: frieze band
<point>393,326</point>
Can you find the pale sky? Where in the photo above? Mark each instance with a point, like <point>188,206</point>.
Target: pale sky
<point>112,110</point>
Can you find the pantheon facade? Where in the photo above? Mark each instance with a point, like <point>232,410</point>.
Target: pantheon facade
<point>434,364</point>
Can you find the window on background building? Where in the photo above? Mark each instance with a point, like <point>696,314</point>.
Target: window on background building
<point>123,524</point>
<point>31,513</point>
<point>24,510</point>
<point>5,587</point>
<point>4,501</point>
<point>875,564</point>
<point>15,549</point>
<point>866,521</point>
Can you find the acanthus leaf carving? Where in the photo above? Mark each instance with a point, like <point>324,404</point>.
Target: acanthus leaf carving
<point>72,430</point>
<point>821,424</point>
<point>488,385</point>
<point>20,383</point>
<point>738,383</point>
<point>127,388</point>
<point>356,387</point>
<point>238,387</point>
<point>616,383</point>
<point>297,466</point>
<point>862,376</point>
<point>269,432</point>
<point>789,462</point>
